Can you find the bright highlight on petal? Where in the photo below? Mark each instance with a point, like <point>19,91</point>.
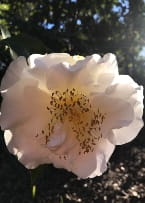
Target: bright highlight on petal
<point>69,111</point>
<point>78,58</point>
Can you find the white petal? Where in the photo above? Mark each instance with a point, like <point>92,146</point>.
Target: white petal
<point>126,134</point>
<point>88,165</point>
<point>68,157</point>
<point>23,143</point>
<point>57,138</point>
<point>69,143</point>
<point>90,72</point>
<point>118,112</point>
<point>48,60</point>
<point>50,69</point>
<point>123,87</point>
<point>56,77</point>
<point>129,91</point>
<point>16,106</point>
<point>64,155</point>
<point>94,163</point>
<point>14,72</point>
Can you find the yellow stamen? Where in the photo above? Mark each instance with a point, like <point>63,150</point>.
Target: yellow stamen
<point>74,108</point>
<point>78,58</point>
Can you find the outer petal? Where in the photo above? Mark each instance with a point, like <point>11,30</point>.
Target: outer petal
<point>51,69</point>
<point>25,138</point>
<point>38,67</point>
<point>23,144</point>
<point>93,70</point>
<point>94,163</point>
<point>14,72</point>
<point>129,91</point>
<point>32,150</point>
<point>16,106</point>
<point>123,87</point>
<point>118,112</point>
<point>126,134</point>
<point>84,165</point>
<point>57,77</point>
<point>48,60</point>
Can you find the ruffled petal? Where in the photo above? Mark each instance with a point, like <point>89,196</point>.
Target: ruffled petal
<point>123,87</point>
<point>126,89</point>
<point>85,165</point>
<point>57,76</point>
<point>16,107</point>
<point>48,60</point>
<point>14,72</point>
<point>93,71</point>
<point>118,112</point>
<point>126,134</point>
<point>23,143</point>
<point>31,149</point>
<point>94,163</point>
<point>57,138</point>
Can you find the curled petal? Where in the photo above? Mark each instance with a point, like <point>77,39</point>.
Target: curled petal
<point>14,109</point>
<point>14,72</point>
<point>57,138</point>
<point>49,60</point>
<point>22,142</point>
<point>129,91</point>
<point>118,112</point>
<point>86,165</point>
<point>56,76</point>
<point>93,70</point>
<point>94,163</point>
<point>119,137</point>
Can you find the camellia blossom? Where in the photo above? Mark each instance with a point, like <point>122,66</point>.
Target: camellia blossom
<point>69,111</point>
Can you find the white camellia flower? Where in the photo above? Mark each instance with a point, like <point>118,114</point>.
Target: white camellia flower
<point>69,111</point>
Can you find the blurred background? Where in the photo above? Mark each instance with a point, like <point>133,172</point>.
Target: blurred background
<point>79,27</point>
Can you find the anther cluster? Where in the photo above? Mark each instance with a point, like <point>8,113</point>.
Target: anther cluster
<point>73,108</point>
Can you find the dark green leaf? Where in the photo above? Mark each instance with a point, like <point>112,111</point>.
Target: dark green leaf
<point>24,45</point>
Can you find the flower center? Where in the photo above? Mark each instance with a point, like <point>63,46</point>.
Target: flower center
<point>73,108</point>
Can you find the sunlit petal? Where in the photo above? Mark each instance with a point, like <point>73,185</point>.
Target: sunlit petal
<point>69,111</point>
<point>95,73</point>
<point>48,60</point>
<point>94,163</point>
<point>14,72</point>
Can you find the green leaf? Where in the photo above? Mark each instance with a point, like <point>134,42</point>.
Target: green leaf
<point>24,45</point>
<point>6,34</point>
